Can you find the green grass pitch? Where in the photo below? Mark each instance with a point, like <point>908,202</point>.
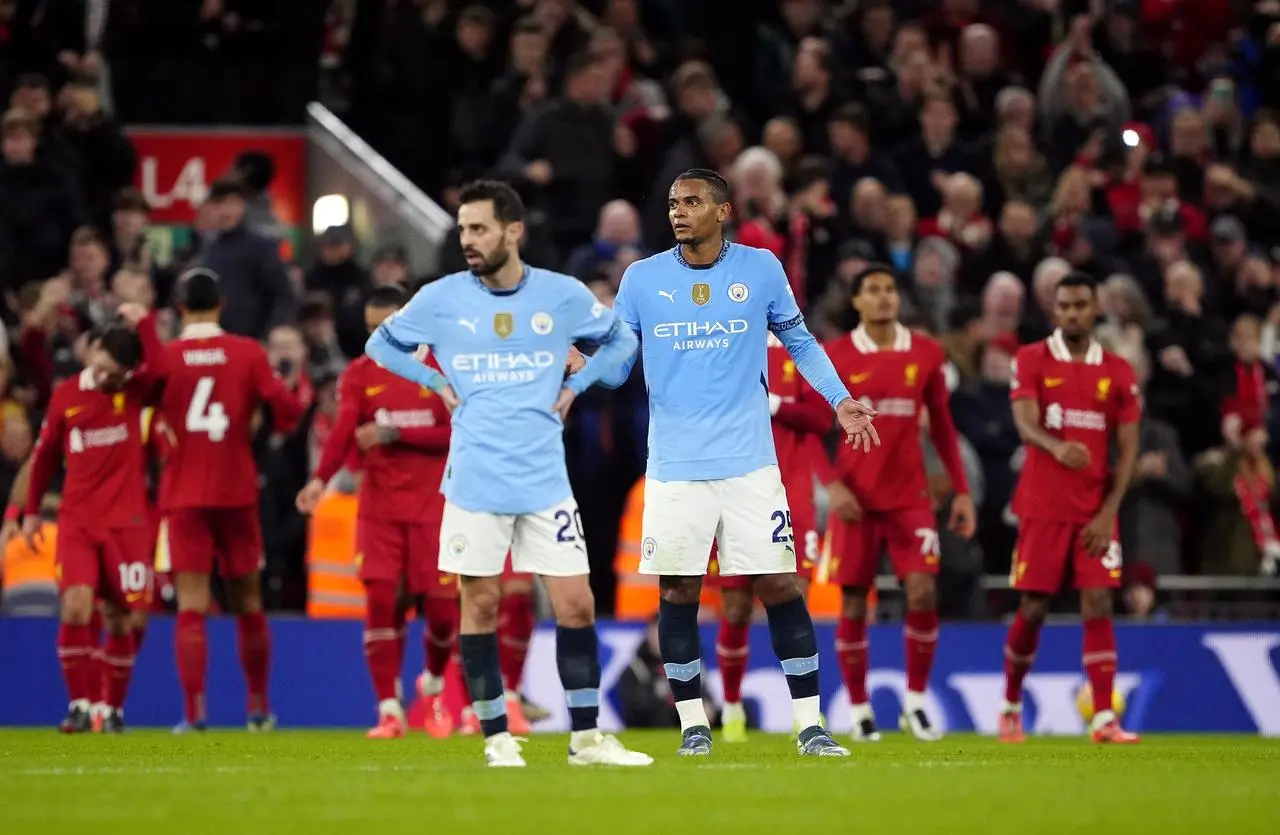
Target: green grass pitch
<point>234,783</point>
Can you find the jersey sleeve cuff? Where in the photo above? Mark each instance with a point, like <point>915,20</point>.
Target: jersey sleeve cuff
<point>12,513</point>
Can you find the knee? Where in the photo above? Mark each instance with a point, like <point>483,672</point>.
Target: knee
<point>193,592</point>
<point>1095,603</point>
<point>853,604</point>
<point>680,591</point>
<point>736,607</point>
<point>576,610</point>
<point>137,621</point>
<point>775,589</point>
<point>480,605</point>
<point>246,596</point>
<point>922,593</point>
<point>117,621</point>
<point>77,606</point>
<point>1034,609</point>
<point>381,605</point>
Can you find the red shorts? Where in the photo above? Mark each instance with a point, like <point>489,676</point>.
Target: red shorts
<point>392,550</point>
<point>508,574</point>
<point>193,536</point>
<point>909,535</point>
<point>114,562</point>
<point>1046,548</point>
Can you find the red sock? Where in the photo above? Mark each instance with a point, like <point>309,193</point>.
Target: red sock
<point>193,661</point>
<point>117,660</point>
<point>920,634</point>
<point>851,649</point>
<point>75,653</point>
<point>382,642</point>
<point>254,639</point>
<point>398,623</point>
<point>515,628</point>
<point>731,655</point>
<point>440,633</point>
<point>97,666</point>
<point>1100,660</point>
<point>1019,653</point>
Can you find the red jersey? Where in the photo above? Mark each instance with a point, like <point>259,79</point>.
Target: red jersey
<point>100,437</point>
<point>900,384</point>
<point>803,416</point>
<point>1080,401</point>
<point>214,382</point>
<point>401,479</point>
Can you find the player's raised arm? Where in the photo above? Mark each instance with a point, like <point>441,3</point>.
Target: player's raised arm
<point>624,313</point>
<point>787,323</point>
<point>398,338</point>
<point>593,322</point>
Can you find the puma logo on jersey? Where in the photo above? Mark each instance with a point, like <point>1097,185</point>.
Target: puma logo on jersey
<point>374,391</point>
<point>670,295</point>
<point>1053,382</point>
<point>859,378</point>
<point>469,324</point>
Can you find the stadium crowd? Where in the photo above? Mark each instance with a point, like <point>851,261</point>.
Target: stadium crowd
<point>983,149</point>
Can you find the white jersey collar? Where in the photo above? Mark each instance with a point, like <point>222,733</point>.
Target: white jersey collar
<point>201,330</point>
<point>864,343</point>
<point>1059,351</point>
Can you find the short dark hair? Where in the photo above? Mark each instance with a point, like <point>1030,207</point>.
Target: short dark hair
<point>874,268</point>
<point>120,341</point>
<point>528,25</point>
<point>316,306</point>
<point>852,114</point>
<point>719,187</point>
<point>579,63</point>
<point>129,199</point>
<point>393,295</point>
<point>32,81</point>
<point>1078,279</point>
<point>507,205</point>
<point>198,290</point>
<point>228,185</point>
<point>811,169</point>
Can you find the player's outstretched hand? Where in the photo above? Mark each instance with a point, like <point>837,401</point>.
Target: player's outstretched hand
<point>309,496</point>
<point>9,531</point>
<point>132,313</point>
<point>843,503</point>
<point>855,419</point>
<point>31,526</point>
<point>575,362</point>
<point>1096,536</point>
<point>450,398</point>
<point>1072,454</point>
<point>563,402</point>
<point>963,515</point>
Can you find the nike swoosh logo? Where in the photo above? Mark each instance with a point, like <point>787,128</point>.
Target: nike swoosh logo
<point>73,411</point>
<point>858,378</point>
<point>374,391</point>
<point>1053,382</point>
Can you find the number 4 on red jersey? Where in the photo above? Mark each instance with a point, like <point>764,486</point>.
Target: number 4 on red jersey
<point>214,383</point>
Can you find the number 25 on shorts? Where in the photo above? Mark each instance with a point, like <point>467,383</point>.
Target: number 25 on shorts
<point>782,533</point>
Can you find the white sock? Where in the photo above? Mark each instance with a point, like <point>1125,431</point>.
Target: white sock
<point>808,712</point>
<point>732,710</point>
<point>1101,718</point>
<point>583,739</point>
<point>1011,707</point>
<point>82,704</point>
<point>860,712</point>
<point>913,702</point>
<point>511,695</point>
<point>431,685</point>
<point>391,707</point>
<point>692,714</point>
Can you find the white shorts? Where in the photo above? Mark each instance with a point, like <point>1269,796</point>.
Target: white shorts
<point>548,543</point>
<point>746,515</point>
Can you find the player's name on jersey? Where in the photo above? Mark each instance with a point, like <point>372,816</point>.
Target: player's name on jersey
<point>204,356</point>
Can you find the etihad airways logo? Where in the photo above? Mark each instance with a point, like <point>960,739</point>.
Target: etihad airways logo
<point>697,336</point>
<point>503,367</point>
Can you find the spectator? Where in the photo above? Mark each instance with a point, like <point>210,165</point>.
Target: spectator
<point>1082,102</point>
<point>1016,248</point>
<point>853,158</point>
<point>336,271</point>
<point>936,151</point>
<point>256,170</point>
<point>1240,536</point>
<point>1150,531</point>
<point>960,219</point>
<point>1039,318</point>
<point>900,231</point>
<point>40,208</point>
<point>815,94</point>
<point>319,333</point>
<point>615,245</point>
<point>255,286</point>
<point>782,137</point>
<point>980,78</point>
<point>565,154</point>
<point>869,208</point>
<point>1018,171</point>
<point>390,266</point>
<point>1126,318</point>
<point>1002,301</point>
<point>934,280</point>
<point>109,158</point>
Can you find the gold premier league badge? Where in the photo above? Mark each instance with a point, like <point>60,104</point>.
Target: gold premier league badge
<point>503,324</point>
<point>701,293</point>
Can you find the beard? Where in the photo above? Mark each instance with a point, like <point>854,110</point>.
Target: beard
<point>492,262</point>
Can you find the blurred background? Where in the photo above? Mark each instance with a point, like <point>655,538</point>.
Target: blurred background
<point>312,152</point>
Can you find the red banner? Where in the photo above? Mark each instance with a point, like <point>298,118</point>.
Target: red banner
<point>176,166</point>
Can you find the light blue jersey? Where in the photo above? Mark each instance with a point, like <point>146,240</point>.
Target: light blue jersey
<point>504,354</point>
<point>703,337</point>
